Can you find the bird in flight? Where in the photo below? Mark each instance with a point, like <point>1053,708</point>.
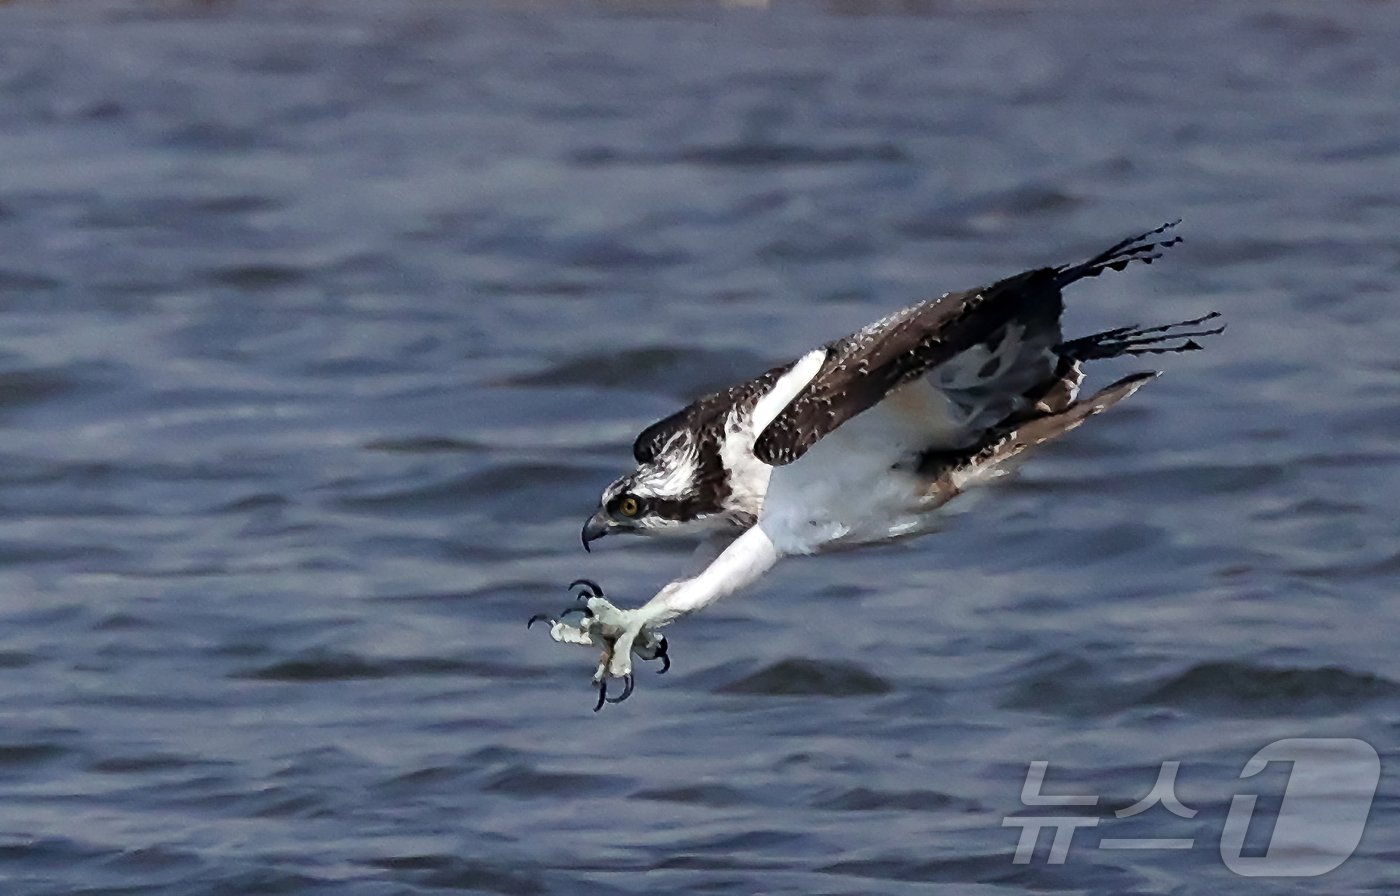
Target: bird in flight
<point>857,442</point>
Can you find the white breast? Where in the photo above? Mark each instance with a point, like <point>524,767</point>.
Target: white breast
<point>845,489</point>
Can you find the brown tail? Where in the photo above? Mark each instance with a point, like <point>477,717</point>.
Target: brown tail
<point>950,472</point>
<point>1039,430</point>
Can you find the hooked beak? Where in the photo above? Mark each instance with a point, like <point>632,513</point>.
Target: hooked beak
<point>597,526</point>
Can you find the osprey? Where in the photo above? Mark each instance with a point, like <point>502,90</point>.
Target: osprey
<point>857,442</point>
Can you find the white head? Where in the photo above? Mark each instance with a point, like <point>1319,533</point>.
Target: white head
<point>676,493</point>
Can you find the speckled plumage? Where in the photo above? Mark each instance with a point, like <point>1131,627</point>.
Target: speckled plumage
<point>988,355</point>
<point>861,440</point>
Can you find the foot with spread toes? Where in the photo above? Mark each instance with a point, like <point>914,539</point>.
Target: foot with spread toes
<point>620,633</point>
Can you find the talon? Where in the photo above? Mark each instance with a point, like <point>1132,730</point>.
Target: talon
<point>539,617</point>
<point>584,611</point>
<point>591,588</point>
<point>664,656</point>
<point>602,694</point>
<point>627,684</point>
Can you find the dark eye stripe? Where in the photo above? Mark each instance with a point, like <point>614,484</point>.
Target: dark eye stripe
<point>682,510</point>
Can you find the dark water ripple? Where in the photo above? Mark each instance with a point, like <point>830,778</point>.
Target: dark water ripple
<point>324,324</point>
<point>811,678</point>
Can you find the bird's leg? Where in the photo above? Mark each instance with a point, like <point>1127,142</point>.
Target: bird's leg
<point>619,632</point>
<point>626,632</point>
<point>622,633</point>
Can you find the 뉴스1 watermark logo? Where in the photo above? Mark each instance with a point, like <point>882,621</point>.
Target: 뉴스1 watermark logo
<point>1317,827</point>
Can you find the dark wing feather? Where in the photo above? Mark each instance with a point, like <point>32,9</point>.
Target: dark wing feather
<point>863,368</point>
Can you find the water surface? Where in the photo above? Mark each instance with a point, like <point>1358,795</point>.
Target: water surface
<point>323,325</point>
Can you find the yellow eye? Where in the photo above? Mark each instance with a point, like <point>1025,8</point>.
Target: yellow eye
<point>628,506</point>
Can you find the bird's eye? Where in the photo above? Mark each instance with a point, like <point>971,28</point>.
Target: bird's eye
<point>628,506</point>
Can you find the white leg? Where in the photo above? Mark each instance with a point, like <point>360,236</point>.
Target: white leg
<point>739,565</point>
<point>621,632</point>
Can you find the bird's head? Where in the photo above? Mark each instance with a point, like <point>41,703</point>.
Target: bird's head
<point>668,496</point>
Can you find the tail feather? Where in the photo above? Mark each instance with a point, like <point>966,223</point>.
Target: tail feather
<point>951,472</point>
<point>1135,340</point>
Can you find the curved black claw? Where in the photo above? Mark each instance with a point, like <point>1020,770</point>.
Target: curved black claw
<point>602,694</point>
<point>580,610</point>
<point>539,617</point>
<point>663,655</point>
<point>628,683</point>
<point>591,588</point>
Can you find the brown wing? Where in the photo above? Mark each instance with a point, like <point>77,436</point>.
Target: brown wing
<point>863,368</point>
<point>866,366</point>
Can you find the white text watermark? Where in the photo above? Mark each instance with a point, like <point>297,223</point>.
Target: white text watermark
<point>1316,827</point>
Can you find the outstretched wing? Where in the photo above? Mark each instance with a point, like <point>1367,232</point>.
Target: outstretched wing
<point>973,342</point>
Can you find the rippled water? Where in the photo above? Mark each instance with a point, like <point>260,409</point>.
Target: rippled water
<point>324,323</point>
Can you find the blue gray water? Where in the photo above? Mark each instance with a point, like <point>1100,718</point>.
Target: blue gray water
<point>322,325</point>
